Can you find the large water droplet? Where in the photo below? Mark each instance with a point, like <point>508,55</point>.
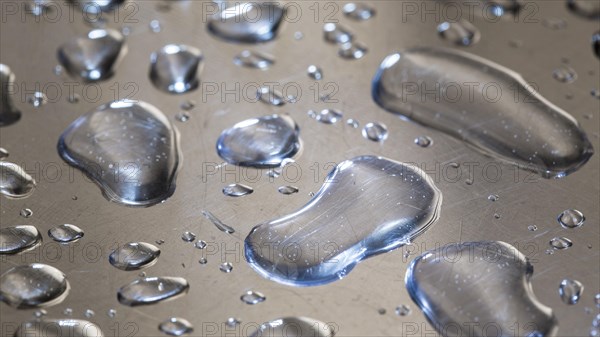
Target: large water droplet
<point>358,11</point>
<point>570,291</point>
<point>18,239</point>
<point>335,33</point>
<point>367,206</point>
<point>8,112</point>
<point>294,326</point>
<point>58,328</point>
<point>15,183</point>
<point>218,223</point>
<point>253,59</point>
<point>585,8</point>
<point>483,282</point>
<point>461,32</point>
<point>175,68</point>
<point>130,150</point>
<point>65,233</point>
<point>260,142</point>
<point>34,285</point>
<point>249,22</point>
<point>253,297</point>
<point>97,6</point>
<point>571,218</point>
<point>237,190</point>
<point>176,326</point>
<point>376,132</point>
<point>327,116</point>
<point>489,119</point>
<point>150,290</point>
<point>560,243</point>
<point>134,256</point>
<point>93,57</point>
<point>564,74</point>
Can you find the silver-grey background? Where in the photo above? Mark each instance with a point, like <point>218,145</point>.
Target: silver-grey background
<point>29,49</point>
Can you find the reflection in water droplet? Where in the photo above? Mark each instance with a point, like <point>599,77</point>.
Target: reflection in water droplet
<point>226,267</point>
<point>3,153</point>
<point>571,218</point>
<point>249,22</point>
<point>151,290</point>
<point>218,223</point>
<point>270,96</point>
<point>37,99</point>
<point>335,33</point>
<point>93,57</point>
<point>555,148</point>
<point>65,233</point>
<point>26,213</point>
<point>19,239</point>
<point>8,112</point>
<point>294,326</point>
<point>58,327</point>
<point>461,33</point>
<point>326,116</point>
<point>376,132</point>
<point>423,141</point>
<point>237,190</point>
<point>253,297</point>
<point>176,326</point>
<point>130,150</point>
<point>446,282</point>
<point>367,206</point>
<point>560,243</point>
<point>188,236</point>
<point>352,50</point>
<point>403,310</point>
<point>585,8</point>
<point>287,190</point>
<point>570,291</point>
<point>174,68</point>
<point>358,11</point>
<point>33,285</point>
<point>253,59</point>
<point>260,142</point>
<point>314,72</point>
<point>134,256</point>
<point>564,74</point>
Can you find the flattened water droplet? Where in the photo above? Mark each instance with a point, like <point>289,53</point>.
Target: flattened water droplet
<point>248,22</point>
<point>33,285</point>
<point>367,206</point>
<point>376,132</point>
<point>150,290</point>
<point>253,59</point>
<point>260,142</point>
<point>188,236</point>
<point>446,284</point>
<point>226,267</point>
<point>423,141</point>
<point>218,223</point>
<point>26,213</point>
<point>358,11</point>
<point>560,243</point>
<point>327,116</point>
<point>58,327</point>
<point>352,50</point>
<point>93,57</point>
<point>134,256</point>
<point>176,326</point>
<point>585,8</point>
<point>237,190</point>
<point>462,32</point>
<point>9,114</point>
<point>352,123</point>
<point>287,190</point>
<point>335,33</point>
<point>403,310</point>
<point>130,150</point>
<point>202,260</point>
<point>314,72</point>
<point>532,228</point>
<point>252,297</point>
<point>18,239</point>
<point>493,197</point>
<point>564,74</point>
<point>270,96</point>
<point>65,233</point>
<point>570,291</point>
<point>294,326</point>
<point>571,218</point>
<point>175,68</point>
<point>556,147</point>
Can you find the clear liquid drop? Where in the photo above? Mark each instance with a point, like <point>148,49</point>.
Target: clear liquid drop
<point>188,236</point>
<point>218,223</point>
<point>335,33</point>
<point>462,32</point>
<point>571,218</point>
<point>175,69</point>
<point>32,286</point>
<point>26,213</point>
<point>176,326</point>
<point>150,290</point>
<point>9,114</point>
<point>314,72</point>
<point>376,132</point>
<point>288,189</point>
<point>134,256</point>
<point>248,22</point>
<point>237,190</point>
<point>327,116</point>
<point>570,291</point>
<point>561,243</point>
<point>252,297</point>
<point>358,11</point>
<point>226,267</point>
<point>294,326</point>
<point>252,59</point>
<point>19,239</point>
<point>65,233</point>
<point>564,74</point>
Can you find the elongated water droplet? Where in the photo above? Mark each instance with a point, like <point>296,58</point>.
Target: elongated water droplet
<point>352,50</point>
<point>327,116</point>
<point>150,290</point>
<point>176,326</point>
<point>353,123</point>
<point>570,291</point>
<point>367,206</point>
<point>461,33</point>
<point>218,223</point>
<point>226,267</point>
<point>270,96</point>
<point>287,190</point>
<point>556,147</point>
<point>97,6</point>
<point>65,233</point>
<point>314,72</point>
<point>130,150</point>
<point>294,326</point>
<point>26,213</point>
<point>376,132</point>
<point>260,142</point>
<point>560,243</point>
<point>134,256</point>
<point>571,218</point>
<point>18,239</point>
<point>175,68</point>
<point>188,236</point>
<point>253,297</point>
<point>9,114</point>
<point>93,57</point>
<point>33,285</point>
<point>446,284</point>
<point>237,190</point>
<point>58,327</point>
<point>335,33</point>
<point>585,8</point>
<point>253,59</point>
<point>248,22</point>
<point>565,74</point>
<point>423,141</point>
<point>358,11</point>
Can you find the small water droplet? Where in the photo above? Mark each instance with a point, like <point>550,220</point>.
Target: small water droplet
<point>287,190</point>
<point>595,93</point>
<point>423,141</point>
<point>560,243</point>
<point>314,72</point>
<point>187,105</point>
<point>462,32</point>
<point>112,313</point>
<point>253,59</point>
<point>33,285</point>
<point>159,242</point>
<point>232,322</point>
<point>496,216</point>
<point>155,26</point>
<point>151,290</point>
<point>202,260</point>
<point>358,11</point>
<point>549,251</point>
<point>14,181</point>
<point>403,310</point>
<point>176,326</point>
<point>564,74</point>
<point>570,291</point>
<point>237,190</point>
<point>335,33</point>
<point>376,132</point>
<point>89,313</point>
<point>226,267</point>
<point>294,326</point>
<point>252,297</point>
<point>134,256</point>
<point>37,99</point>
<point>218,223</point>
<point>188,236</point>
<point>26,212</point>
<point>40,313</point>
<point>352,50</point>
<point>298,35</point>
<point>493,197</point>
<point>270,96</point>
<point>353,123</point>
<point>326,116</point>
<point>597,300</point>
<point>571,218</point>
<point>532,228</point>
<point>182,117</point>
<point>68,312</point>
<point>19,239</point>
<point>65,233</point>
<point>57,70</point>
<point>200,244</point>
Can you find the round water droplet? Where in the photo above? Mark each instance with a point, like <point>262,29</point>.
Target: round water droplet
<point>232,322</point>
<point>89,313</point>
<point>155,26</point>
<point>358,11</point>
<point>560,243</point>
<point>570,291</point>
<point>403,310</point>
<point>376,132</point>
<point>226,267</point>
<point>65,233</point>
<point>423,141</point>
<point>287,190</point>
<point>176,326</point>
<point>200,244</point>
<point>203,260</point>
<point>298,35</point>
<point>182,117</point>
<point>571,218</point>
<point>134,256</point>
<point>326,116</point>
<point>237,190</point>
<point>40,313</point>
<point>175,68</point>
<point>188,236</point>
<point>252,297</point>
<point>68,311</point>
<point>314,72</point>
<point>26,212</point>
<point>253,59</point>
<point>37,99</point>
<point>33,285</point>
<point>151,290</point>
<point>493,197</point>
<point>112,313</point>
<point>532,228</point>
<point>353,123</point>
<point>461,33</point>
<point>564,74</point>
<point>19,239</point>
<point>352,50</point>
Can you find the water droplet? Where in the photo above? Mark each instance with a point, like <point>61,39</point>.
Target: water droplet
<point>112,313</point>
<point>93,57</point>
<point>493,197</point>
<point>37,99</point>
<point>19,239</point>
<point>260,142</point>
<point>287,190</point>
<point>249,22</point>
<point>365,199</point>
<point>176,326</point>
<point>571,218</point>
<point>492,131</point>
<point>381,311</point>
<point>352,50</point>
<point>68,311</point>
<point>175,68</point>
<point>570,291</point>
<point>298,35</point>
<point>549,251</point>
<point>26,212</point>
<point>126,30</point>
<point>3,153</point>
<point>353,123</point>
<point>335,33</point>
<point>9,114</point>
<point>58,327</point>
<point>200,244</point>
<point>597,300</point>
<point>564,74</point>
<point>130,150</point>
<point>218,223</point>
<point>226,267</point>
<point>188,236</point>
<point>445,284</point>
<point>585,8</point>
<point>151,290</point>
<point>253,59</point>
<point>270,96</point>
<point>314,72</point>
<point>403,310</point>
<point>496,216</point>
<point>560,243</point>
<point>232,322</point>
<point>34,285</point>
<point>65,233</point>
<point>202,260</point>
<point>376,132</point>
<point>155,26</point>
<point>187,105</point>
<point>182,117</point>
<point>159,242</point>
<point>294,326</point>
<point>358,11</point>
<point>134,256</point>
<point>595,93</point>
<point>532,228</point>
<point>462,32</point>
<point>89,313</point>
<point>554,23</point>
<point>237,190</point>
<point>97,6</point>
<point>327,116</point>
<point>252,297</point>
<point>39,7</point>
<point>423,141</point>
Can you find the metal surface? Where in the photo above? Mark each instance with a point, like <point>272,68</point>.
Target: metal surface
<point>352,304</point>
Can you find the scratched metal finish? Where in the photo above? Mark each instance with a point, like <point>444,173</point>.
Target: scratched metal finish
<point>352,304</point>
